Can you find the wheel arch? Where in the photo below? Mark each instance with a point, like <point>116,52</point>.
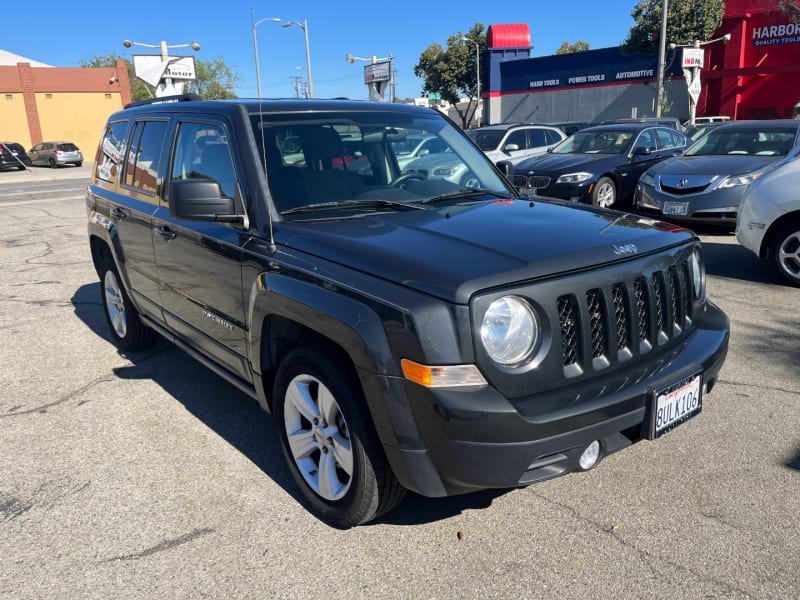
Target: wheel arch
<point>777,225</point>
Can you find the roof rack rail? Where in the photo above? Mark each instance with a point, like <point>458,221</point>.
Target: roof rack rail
<point>164,99</point>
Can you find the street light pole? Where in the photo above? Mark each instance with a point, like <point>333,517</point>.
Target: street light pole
<point>304,27</point>
<point>696,63</point>
<point>479,107</point>
<point>255,24</point>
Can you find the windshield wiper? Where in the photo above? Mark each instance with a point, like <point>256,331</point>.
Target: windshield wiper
<point>366,203</point>
<point>465,193</point>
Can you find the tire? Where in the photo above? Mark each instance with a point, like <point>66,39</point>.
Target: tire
<point>78,164</point>
<point>329,442</point>
<point>52,163</point>
<point>469,181</point>
<point>604,193</point>
<point>784,252</point>
<point>127,329</point>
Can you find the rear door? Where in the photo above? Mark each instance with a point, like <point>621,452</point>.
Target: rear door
<point>126,192</point>
<point>200,263</point>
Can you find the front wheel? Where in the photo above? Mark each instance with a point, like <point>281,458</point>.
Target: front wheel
<point>123,320</point>
<point>785,253</point>
<point>604,193</point>
<point>328,440</point>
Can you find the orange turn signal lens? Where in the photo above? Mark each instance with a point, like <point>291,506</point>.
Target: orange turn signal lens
<point>443,376</point>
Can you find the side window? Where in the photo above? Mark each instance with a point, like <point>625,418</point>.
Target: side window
<point>202,152</point>
<point>515,137</point>
<point>678,139</point>
<point>552,137</point>
<point>144,156</point>
<point>110,153</point>
<point>537,138</point>
<point>664,139</point>
<point>646,140</point>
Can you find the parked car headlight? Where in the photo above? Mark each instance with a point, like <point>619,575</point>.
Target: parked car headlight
<point>698,274</point>
<point>574,177</point>
<point>647,179</point>
<point>734,180</point>
<point>446,171</point>
<point>509,330</point>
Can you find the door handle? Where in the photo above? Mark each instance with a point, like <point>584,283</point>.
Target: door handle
<point>165,232</point>
<point>118,213</point>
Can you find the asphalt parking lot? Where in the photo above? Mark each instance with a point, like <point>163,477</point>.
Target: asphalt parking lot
<point>145,475</point>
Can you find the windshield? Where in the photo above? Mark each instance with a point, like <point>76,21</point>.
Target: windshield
<point>606,141</point>
<point>747,141</point>
<point>379,159</point>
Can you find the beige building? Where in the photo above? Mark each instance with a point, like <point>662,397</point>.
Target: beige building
<point>40,102</point>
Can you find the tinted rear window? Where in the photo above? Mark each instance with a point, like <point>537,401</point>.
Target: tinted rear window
<point>68,147</point>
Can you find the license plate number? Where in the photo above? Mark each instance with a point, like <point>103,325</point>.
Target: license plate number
<point>675,208</point>
<point>676,404</point>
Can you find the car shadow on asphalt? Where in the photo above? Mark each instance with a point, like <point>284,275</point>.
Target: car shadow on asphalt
<point>238,419</point>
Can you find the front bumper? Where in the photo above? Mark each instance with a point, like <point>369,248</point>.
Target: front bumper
<point>717,208</point>
<point>478,439</point>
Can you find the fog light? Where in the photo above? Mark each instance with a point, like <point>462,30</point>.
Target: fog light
<point>590,456</point>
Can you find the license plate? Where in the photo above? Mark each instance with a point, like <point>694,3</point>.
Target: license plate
<point>675,405</point>
<point>675,208</point>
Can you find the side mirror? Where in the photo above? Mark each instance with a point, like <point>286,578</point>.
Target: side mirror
<point>506,167</point>
<point>200,200</point>
<point>510,147</point>
<point>642,151</point>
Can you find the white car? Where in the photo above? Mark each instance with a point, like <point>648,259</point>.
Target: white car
<point>514,142</point>
<point>768,223</point>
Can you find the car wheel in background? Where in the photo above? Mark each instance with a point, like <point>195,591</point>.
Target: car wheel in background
<point>332,451</point>
<point>470,181</point>
<point>604,193</point>
<point>785,252</point>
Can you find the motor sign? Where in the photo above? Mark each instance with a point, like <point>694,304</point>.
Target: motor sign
<point>692,57</point>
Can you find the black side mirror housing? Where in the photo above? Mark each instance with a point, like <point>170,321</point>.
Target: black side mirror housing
<point>200,200</point>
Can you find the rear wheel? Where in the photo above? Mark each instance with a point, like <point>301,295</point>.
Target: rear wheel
<point>123,320</point>
<point>604,193</point>
<point>785,252</point>
<point>52,162</point>
<point>329,442</point>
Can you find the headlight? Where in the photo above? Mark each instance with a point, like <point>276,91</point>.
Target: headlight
<point>509,330</point>
<point>698,274</point>
<point>574,177</point>
<point>647,179</point>
<point>735,180</point>
<point>446,171</point>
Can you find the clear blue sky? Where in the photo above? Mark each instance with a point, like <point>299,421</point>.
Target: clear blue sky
<point>63,33</point>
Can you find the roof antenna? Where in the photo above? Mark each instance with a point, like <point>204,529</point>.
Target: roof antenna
<point>253,24</point>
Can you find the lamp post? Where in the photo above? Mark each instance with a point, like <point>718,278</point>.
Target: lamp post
<point>479,107</point>
<point>696,63</point>
<point>164,48</point>
<point>304,27</point>
<point>374,60</point>
<point>255,24</point>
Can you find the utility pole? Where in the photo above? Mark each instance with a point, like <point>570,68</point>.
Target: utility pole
<point>662,51</point>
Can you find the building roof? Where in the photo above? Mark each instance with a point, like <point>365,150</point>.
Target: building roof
<point>9,59</point>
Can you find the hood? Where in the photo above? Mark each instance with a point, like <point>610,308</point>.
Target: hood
<point>454,251</point>
<point>556,164</point>
<point>712,166</point>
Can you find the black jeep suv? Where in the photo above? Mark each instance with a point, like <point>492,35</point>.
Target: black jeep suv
<point>406,331</point>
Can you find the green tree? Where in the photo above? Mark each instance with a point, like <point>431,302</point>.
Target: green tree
<point>567,48</point>
<point>452,72</point>
<point>215,79</point>
<point>687,20</point>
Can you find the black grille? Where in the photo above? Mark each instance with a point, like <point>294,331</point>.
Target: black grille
<point>675,191</point>
<point>533,181</point>
<point>628,318</point>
